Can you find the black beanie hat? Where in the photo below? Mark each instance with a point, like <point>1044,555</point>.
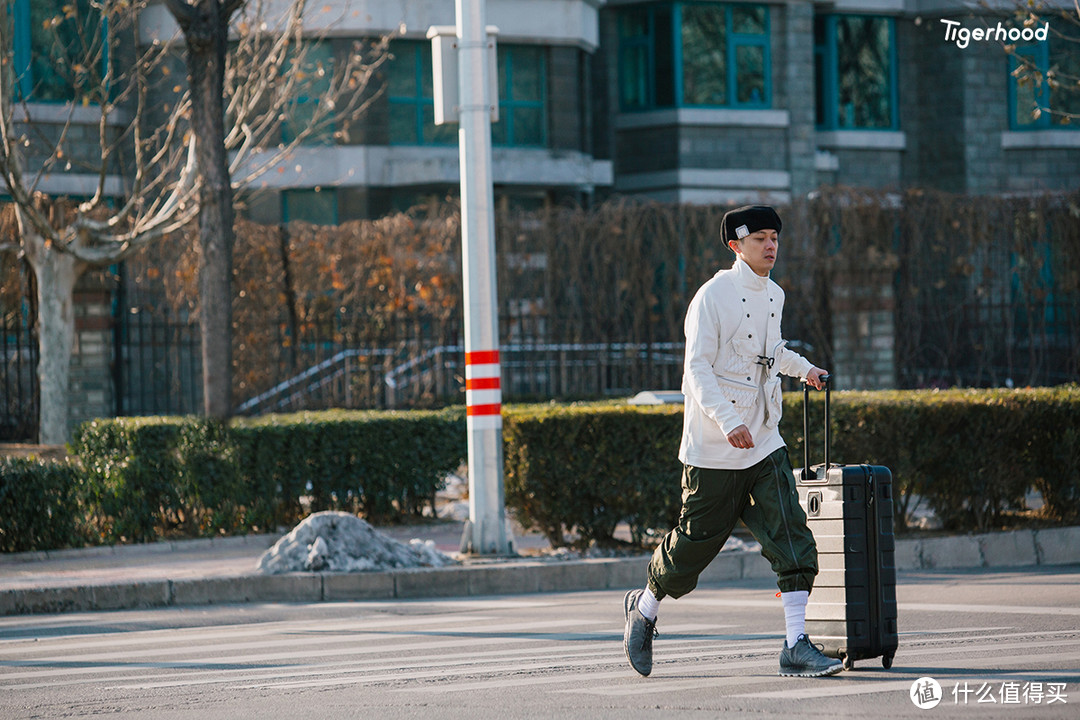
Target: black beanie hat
<point>740,222</point>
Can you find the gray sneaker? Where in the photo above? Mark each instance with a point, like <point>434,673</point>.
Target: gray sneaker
<point>807,660</point>
<point>638,635</point>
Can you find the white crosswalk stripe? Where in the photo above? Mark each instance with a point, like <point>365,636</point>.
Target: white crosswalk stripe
<point>472,650</point>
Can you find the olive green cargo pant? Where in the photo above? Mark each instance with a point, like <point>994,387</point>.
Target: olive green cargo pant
<point>765,498</point>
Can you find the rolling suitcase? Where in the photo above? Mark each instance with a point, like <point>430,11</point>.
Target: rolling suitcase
<point>849,508</point>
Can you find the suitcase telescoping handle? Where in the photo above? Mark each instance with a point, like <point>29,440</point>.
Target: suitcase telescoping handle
<point>826,380</point>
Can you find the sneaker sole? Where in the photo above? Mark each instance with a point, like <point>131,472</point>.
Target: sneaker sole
<point>831,670</point>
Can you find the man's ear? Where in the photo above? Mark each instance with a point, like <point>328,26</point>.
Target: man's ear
<point>735,246</point>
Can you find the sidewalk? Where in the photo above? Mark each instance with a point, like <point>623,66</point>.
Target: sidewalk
<point>199,572</point>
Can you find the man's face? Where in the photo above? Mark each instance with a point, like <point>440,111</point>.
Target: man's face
<point>758,250</point>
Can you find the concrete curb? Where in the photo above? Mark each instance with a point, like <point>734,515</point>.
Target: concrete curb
<point>1058,546</point>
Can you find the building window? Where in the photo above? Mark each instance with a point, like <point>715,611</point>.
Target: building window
<point>412,100</point>
<point>315,206</point>
<point>694,54</point>
<point>59,50</point>
<point>1034,102</point>
<point>855,72</point>
<point>522,82</point>
<point>315,72</point>
<point>522,97</point>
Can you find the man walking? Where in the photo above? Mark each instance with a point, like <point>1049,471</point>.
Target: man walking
<point>735,464</point>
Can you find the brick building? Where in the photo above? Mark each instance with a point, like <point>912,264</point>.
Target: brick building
<point>676,100</point>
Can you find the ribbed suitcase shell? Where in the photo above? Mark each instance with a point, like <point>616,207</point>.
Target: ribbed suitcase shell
<point>852,610</point>
<point>849,508</point>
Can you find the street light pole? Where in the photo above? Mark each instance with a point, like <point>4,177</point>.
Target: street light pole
<point>486,533</point>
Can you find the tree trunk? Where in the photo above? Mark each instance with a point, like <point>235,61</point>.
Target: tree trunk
<point>205,24</point>
<point>55,274</point>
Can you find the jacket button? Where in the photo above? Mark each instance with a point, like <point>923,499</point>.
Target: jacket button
<point>747,378</point>
<point>770,315</point>
<point>751,334</point>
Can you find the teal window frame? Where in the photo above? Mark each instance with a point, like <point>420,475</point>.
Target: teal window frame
<point>291,195</point>
<point>505,132</point>
<point>325,54</point>
<point>648,80</point>
<point>827,75</point>
<point>1039,53</point>
<point>421,102</point>
<point>23,56</point>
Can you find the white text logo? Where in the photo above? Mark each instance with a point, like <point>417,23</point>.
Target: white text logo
<point>963,36</point>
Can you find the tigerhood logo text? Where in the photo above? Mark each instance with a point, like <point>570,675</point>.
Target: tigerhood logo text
<point>963,36</point>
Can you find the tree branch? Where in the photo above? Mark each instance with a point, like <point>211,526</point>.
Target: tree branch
<point>183,12</point>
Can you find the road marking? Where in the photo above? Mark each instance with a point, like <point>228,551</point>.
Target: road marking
<point>1005,609</point>
<point>832,690</point>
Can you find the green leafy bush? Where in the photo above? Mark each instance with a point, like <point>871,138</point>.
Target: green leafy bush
<point>972,455</point>
<point>39,505</point>
<point>158,476</point>
<point>586,467</point>
<point>149,478</point>
<point>381,464</point>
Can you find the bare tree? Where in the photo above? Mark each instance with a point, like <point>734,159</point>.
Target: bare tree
<point>254,89</point>
<point>184,165</point>
<point>60,240</point>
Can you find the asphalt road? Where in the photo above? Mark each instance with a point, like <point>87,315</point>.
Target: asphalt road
<point>1011,637</point>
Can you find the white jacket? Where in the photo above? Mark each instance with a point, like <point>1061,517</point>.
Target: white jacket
<point>734,351</point>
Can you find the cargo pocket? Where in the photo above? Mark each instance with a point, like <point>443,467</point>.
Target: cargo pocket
<point>774,402</point>
<point>742,354</point>
<point>741,396</point>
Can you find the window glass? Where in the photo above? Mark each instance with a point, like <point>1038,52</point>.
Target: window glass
<point>522,76</point>
<point>1025,98</point>
<point>318,207</point>
<point>663,58</point>
<point>1064,62</point>
<point>704,39</point>
<point>66,52</point>
<point>748,19</point>
<point>315,70</point>
<point>634,46</point>
<point>694,54</point>
<point>750,74</point>
<point>528,76</point>
<point>863,59</point>
<point>855,73</point>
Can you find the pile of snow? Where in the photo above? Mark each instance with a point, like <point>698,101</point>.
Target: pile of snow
<point>341,542</point>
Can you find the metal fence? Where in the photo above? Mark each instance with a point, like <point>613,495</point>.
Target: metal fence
<point>18,353</point>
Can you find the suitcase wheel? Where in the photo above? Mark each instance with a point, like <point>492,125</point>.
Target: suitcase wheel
<point>886,661</point>
<point>849,662</point>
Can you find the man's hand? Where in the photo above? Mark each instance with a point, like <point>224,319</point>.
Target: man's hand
<point>740,437</point>
<point>813,377</point>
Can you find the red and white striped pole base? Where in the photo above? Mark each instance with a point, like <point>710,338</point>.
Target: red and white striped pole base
<point>483,392</point>
<point>486,533</point>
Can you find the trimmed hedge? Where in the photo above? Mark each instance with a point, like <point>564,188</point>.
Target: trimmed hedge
<point>155,477</point>
<point>971,454</point>
<point>38,505</point>
<point>586,467</point>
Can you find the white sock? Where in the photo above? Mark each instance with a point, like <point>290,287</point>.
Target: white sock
<point>647,604</point>
<point>794,614</point>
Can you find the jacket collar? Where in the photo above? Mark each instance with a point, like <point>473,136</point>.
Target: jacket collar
<point>747,277</point>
